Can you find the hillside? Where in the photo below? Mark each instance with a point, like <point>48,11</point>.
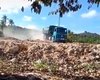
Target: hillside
<point>85,37</point>
<point>22,33</point>
<point>89,34</point>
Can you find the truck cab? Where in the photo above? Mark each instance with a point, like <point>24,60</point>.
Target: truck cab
<point>55,33</point>
<point>59,34</point>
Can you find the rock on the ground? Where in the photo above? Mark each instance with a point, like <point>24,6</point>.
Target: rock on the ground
<point>62,59</point>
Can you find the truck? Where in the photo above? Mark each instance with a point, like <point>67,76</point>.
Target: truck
<point>55,33</point>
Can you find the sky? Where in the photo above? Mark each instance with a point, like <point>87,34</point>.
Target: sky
<point>80,21</point>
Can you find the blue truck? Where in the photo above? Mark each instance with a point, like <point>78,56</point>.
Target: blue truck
<point>55,33</point>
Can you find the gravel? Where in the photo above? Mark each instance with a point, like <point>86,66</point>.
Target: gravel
<point>61,61</point>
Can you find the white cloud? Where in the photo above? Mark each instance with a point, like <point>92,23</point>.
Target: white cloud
<point>43,18</point>
<point>27,18</point>
<point>89,14</point>
<point>12,6</point>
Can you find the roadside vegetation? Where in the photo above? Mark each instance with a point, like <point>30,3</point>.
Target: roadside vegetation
<point>5,22</point>
<point>85,37</point>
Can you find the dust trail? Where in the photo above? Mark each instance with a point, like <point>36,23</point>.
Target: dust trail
<point>23,33</point>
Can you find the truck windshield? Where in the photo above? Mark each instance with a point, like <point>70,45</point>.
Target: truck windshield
<point>61,30</point>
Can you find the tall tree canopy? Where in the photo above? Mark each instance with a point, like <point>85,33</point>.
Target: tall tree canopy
<point>3,22</point>
<point>11,22</point>
<point>64,5</point>
<point>4,19</point>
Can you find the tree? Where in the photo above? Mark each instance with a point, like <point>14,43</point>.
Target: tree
<point>11,22</point>
<point>3,22</point>
<point>2,25</point>
<point>4,19</point>
<point>70,36</point>
<point>64,5</point>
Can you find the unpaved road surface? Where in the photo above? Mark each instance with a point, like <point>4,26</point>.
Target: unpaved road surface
<point>52,61</point>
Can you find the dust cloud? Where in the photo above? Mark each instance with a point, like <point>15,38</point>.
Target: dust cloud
<point>23,33</point>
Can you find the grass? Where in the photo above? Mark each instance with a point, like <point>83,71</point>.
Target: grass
<point>45,66</point>
<point>91,66</point>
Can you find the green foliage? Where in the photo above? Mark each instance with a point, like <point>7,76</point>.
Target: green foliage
<point>70,36</point>
<point>83,38</point>
<point>3,22</point>
<point>63,5</point>
<point>87,39</point>
<point>40,65</point>
<point>11,22</point>
<point>91,66</point>
<point>94,2</point>
<point>45,66</point>
<point>2,25</point>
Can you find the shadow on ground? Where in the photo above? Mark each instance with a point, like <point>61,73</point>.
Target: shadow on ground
<point>18,77</point>
<point>32,77</point>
